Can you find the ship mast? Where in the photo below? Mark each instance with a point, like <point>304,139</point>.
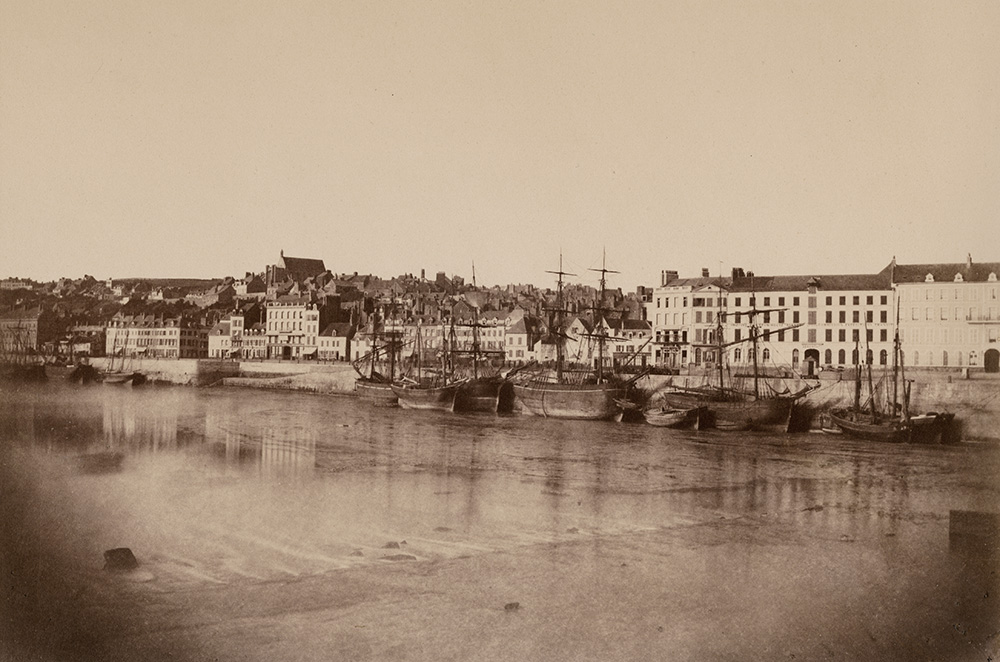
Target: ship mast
<point>600,316</point>
<point>753,336</point>
<point>559,309</point>
<point>475,330</point>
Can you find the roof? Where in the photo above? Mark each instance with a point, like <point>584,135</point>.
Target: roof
<point>338,330</point>
<point>944,273</point>
<point>630,324</point>
<point>698,282</point>
<point>835,282</point>
<point>302,265</point>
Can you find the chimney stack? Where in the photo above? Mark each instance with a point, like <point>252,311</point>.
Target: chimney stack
<point>704,272</point>
<point>968,261</point>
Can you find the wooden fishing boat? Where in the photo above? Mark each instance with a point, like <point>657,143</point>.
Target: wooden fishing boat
<point>667,417</point>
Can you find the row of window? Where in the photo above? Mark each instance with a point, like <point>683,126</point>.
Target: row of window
<point>942,293</point>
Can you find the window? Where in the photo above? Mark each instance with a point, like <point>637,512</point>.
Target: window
<point>843,301</point>
<point>781,317</point>
<point>883,335</point>
<point>795,301</point>
<point>842,317</point>
<point>795,317</point>
<point>855,356</point>
<point>738,301</point>
<point>736,354</point>
<point>883,316</point>
<point>812,317</point>
<point>795,357</point>
<point>868,316</point>
<point>869,335</point>
<point>795,335</point>
<point>883,357</point>
<point>829,335</point>
<point>829,301</point>
<point>869,300</point>
<point>883,300</point>
<point>767,301</point>
<point>856,300</point>
<point>781,335</point>
<point>944,358</point>
<point>842,335</point>
<point>841,357</point>
<point>781,300</point>
<point>738,333</point>
<point>856,316</point>
<point>812,302</point>
<point>916,358</point>
<point>811,335</point>
<point>828,357</point>
<point>944,313</point>
<point>829,317</point>
<point>767,318</point>
<point>855,335</point>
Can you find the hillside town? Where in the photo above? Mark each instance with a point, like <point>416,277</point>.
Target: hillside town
<point>297,309</point>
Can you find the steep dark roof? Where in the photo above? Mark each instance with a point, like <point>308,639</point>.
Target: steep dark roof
<point>303,266</point>
<point>944,273</point>
<point>338,330</point>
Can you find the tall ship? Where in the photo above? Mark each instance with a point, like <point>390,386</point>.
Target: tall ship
<point>428,388</point>
<point>377,369</point>
<point>484,390</point>
<point>121,373</point>
<point>590,395</point>
<point>868,420</point>
<point>730,404</point>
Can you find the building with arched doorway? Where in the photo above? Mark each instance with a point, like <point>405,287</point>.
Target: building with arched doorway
<point>949,314</point>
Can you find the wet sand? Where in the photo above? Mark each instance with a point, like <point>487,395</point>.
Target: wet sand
<point>291,527</point>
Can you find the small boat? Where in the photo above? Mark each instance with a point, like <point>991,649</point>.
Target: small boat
<point>123,378</point>
<point>895,424</point>
<point>413,395</point>
<point>667,417</point>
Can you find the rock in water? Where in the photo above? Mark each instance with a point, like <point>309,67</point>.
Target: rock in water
<point>512,606</point>
<point>391,545</point>
<point>120,558</point>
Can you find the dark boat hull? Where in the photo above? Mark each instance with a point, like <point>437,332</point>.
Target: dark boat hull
<point>440,398</point>
<point>378,393</point>
<point>580,401</point>
<point>749,414</point>
<point>485,395</point>
<point>927,428</point>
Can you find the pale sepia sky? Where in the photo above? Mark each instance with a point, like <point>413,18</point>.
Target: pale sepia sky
<point>198,138</point>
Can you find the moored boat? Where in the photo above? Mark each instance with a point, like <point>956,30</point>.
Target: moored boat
<point>668,417</point>
<point>413,395</point>
<point>582,401</point>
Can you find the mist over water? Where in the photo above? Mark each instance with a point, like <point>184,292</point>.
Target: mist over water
<point>258,511</point>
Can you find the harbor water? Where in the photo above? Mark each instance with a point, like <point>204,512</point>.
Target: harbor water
<point>276,525</point>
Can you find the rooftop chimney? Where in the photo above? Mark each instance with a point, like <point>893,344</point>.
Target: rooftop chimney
<point>704,272</point>
<point>968,261</point>
<point>667,276</point>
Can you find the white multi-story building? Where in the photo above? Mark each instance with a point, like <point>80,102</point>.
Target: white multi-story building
<point>949,314</point>
<point>293,326</point>
<point>155,337</point>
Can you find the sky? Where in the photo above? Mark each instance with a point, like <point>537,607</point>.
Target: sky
<point>199,139</point>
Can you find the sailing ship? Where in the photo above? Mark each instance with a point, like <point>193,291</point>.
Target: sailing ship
<point>372,384</point>
<point>865,420</point>
<point>428,390</point>
<point>730,406</point>
<point>122,375</point>
<point>591,396</point>
<point>18,360</point>
<point>486,393</point>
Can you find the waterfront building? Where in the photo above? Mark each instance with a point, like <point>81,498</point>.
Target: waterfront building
<point>682,315</point>
<point>294,269</point>
<point>155,337</point>
<point>335,342</point>
<point>293,324</point>
<point>809,323</point>
<point>630,342</point>
<point>949,314</point>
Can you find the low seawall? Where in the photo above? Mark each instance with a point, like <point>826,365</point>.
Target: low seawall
<point>187,372</point>
<point>337,379</point>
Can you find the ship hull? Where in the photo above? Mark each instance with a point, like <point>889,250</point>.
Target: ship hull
<point>736,415</point>
<point>441,398</point>
<point>580,401</point>
<point>378,393</point>
<point>485,395</point>
<point>674,418</point>
<point>927,428</point>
